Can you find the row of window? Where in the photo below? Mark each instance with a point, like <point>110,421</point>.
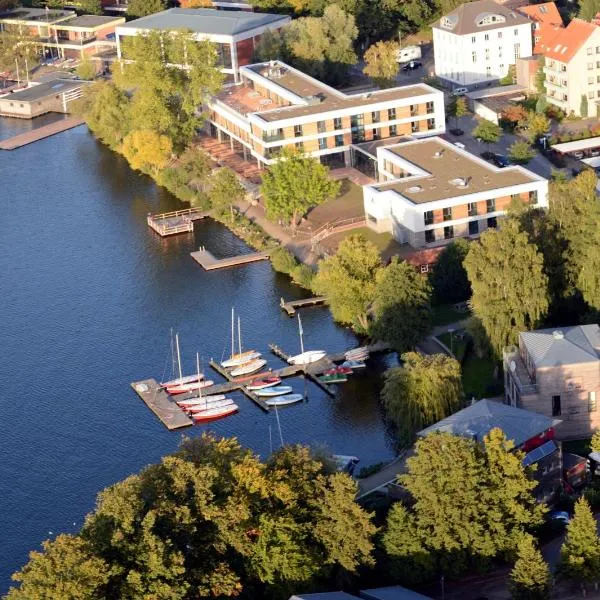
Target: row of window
<point>517,53</point>
<point>591,65</point>
<point>557,409</point>
<point>487,36</point>
<point>449,230</point>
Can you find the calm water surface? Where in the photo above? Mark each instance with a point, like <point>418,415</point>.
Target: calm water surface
<point>88,296</point>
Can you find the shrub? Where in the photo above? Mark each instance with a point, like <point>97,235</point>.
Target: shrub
<point>303,275</point>
<point>283,260</point>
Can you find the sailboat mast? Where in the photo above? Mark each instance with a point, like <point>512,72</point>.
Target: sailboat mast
<point>301,332</point>
<point>178,356</point>
<point>232,331</point>
<point>173,360</point>
<point>239,336</point>
<point>198,370</point>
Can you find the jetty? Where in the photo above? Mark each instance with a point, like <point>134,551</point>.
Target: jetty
<point>209,262</point>
<point>176,221</point>
<point>293,305</point>
<point>161,404</point>
<point>40,133</point>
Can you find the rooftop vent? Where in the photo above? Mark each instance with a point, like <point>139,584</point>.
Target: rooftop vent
<point>438,154</point>
<point>461,182</point>
<point>275,70</point>
<point>414,189</point>
<point>558,334</point>
<point>312,100</point>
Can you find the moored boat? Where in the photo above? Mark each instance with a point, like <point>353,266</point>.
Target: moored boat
<point>333,378</point>
<point>189,387</point>
<point>260,384</point>
<point>196,401</point>
<point>238,358</point>
<point>182,379</point>
<point>283,400</point>
<point>353,364</point>
<point>278,390</point>
<point>196,410</point>
<point>305,358</point>
<point>341,370</point>
<point>361,353</point>
<point>249,367</point>
<point>215,413</point>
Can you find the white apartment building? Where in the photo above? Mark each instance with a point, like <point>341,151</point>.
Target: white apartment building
<point>572,68</point>
<point>476,43</point>
<point>432,191</point>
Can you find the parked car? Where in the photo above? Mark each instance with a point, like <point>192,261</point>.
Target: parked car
<point>457,131</point>
<point>560,516</point>
<point>578,155</point>
<point>460,91</point>
<point>496,159</point>
<point>412,65</point>
<point>460,145</point>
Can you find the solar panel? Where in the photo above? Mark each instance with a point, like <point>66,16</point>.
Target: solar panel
<point>540,452</point>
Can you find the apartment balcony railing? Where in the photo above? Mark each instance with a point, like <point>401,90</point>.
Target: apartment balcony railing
<point>277,137</point>
<point>555,84</point>
<point>513,364</point>
<point>67,42</point>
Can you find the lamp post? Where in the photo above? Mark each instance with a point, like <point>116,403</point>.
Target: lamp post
<point>451,331</point>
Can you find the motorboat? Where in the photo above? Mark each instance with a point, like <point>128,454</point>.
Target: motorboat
<point>213,414</point>
<point>284,400</point>
<point>308,357</point>
<point>278,390</point>
<point>249,367</point>
<point>260,384</point>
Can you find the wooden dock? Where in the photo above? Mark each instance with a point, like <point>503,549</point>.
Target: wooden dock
<point>234,385</point>
<point>177,221</point>
<point>161,404</point>
<point>291,306</point>
<point>40,133</point>
<point>209,262</point>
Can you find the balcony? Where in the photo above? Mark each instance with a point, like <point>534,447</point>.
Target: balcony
<point>275,137</point>
<point>515,367</point>
<point>556,83</point>
<point>58,41</point>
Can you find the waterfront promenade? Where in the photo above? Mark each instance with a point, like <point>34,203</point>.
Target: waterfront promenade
<point>40,133</point>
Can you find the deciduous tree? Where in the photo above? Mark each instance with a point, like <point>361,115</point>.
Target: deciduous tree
<point>487,132</point>
<point>580,553</point>
<point>520,152</point>
<point>348,281</point>
<point>19,50</point>
<point>226,189</point>
<point>595,441</point>
<point>86,70</point>
<point>449,278</point>
<point>294,184</point>
<point>535,126</point>
<point>142,8</point>
<point>401,306</point>
<point>146,150</point>
<point>426,389</point>
<point>510,289</point>
<point>588,9</point>
<point>90,7</point>
<point>530,578</point>
<point>457,108</point>
<point>381,62</point>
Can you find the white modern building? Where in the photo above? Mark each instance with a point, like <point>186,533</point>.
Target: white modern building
<point>432,191</point>
<point>477,42</point>
<point>234,32</point>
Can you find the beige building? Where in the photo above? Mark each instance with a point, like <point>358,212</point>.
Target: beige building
<point>557,373</point>
<point>572,68</point>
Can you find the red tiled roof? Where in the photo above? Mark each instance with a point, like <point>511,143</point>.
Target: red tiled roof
<point>547,21</point>
<point>569,40</point>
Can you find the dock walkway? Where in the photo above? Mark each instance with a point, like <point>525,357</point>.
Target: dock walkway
<point>291,306</point>
<point>177,221</point>
<point>209,262</point>
<point>40,133</point>
<point>161,404</point>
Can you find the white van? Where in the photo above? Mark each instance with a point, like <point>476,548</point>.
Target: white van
<point>408,53</point>
<point>461,91</point>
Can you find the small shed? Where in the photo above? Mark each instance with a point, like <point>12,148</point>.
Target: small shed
<point>490,103</point>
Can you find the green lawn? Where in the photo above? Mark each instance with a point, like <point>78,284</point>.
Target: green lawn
<point>477,375</point>
<point>381,240</point>
<point>458,347</point>
<point>445,314</point>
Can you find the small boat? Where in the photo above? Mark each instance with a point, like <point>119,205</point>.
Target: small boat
<point>181,380</point>
<point>238,358</point>
<point>283,400</point>
<point>196,401</point>
<point>189,387</point>
<point>260,384</point>
<point>249,367</point>
<point>278,390</point>
<point>341,370</point>
<point>305,358</point>
<point>215,413</point>
<point>196,410</point>
<point>333,378</point>
<point>357,354</point>
<point>353,364</point>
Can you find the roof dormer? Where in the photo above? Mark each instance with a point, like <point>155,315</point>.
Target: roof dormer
<point>486,19</point>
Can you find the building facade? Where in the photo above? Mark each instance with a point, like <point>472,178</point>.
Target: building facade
<point>234,32</point>
<point>572,68</point>
<point>276,106</point>
<point>557,373</point>
<point>431,192</point>
<point>477,43</point>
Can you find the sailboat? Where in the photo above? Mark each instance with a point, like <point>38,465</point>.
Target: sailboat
<point>185,404</point>
<point>238,358</point>
<point>305,357</point>
<point>181,379</point>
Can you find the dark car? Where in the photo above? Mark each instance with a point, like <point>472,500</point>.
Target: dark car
<point>457,132</point>
<point>496,159</point>
<point>412,65</point>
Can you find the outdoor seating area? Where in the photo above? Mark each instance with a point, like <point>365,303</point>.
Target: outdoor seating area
<point>228,157</point>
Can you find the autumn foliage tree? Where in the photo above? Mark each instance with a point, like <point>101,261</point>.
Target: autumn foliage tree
<point>530,577</point>
<point>147,150</point>
<point>381,61</point>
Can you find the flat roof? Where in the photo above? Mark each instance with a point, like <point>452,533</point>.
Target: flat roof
<point>499,103</point>
<point>206,21</point>
<point>312,96</point>
<point>90,21</point>
<point>445,165</point>
<point>50,88</point>
<point>585,144</point>
<point>37,15</point>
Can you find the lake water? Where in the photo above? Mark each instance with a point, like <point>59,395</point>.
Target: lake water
<point>88,295</point>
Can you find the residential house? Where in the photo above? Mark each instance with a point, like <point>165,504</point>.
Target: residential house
<point>556,372</point>
<point>62,34</point>
<point>235,33</point>
<point>275,106</point>
<point>572,68</point>
<point>546,23</point>
<point>431,192</point>
<point>477,42</point>
<point>531,432</point>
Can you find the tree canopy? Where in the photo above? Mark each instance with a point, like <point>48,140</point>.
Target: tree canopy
<point>142,8</point>
<point>487,132</point>
<point>91,7</point>
<point>294,184</point>
<point>381,61</point>
<point>349,280</point>
<point>147,151</point>
<point>424,390</point>
<point>510,289</point>
<point>210,520</point>
<point>449,278</point>
<point>530,578</point>
<point>19,50</point>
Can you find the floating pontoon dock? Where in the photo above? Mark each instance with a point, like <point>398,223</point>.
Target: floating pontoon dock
<point>161,404</point>
<point>291,306</point>
<point>209,262</point>
<point>176,221</point>
<point>40,133</point>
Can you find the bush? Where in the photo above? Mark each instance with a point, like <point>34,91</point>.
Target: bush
<point>283,260</point>
<point>520,153</point>
<point>303,275</point>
